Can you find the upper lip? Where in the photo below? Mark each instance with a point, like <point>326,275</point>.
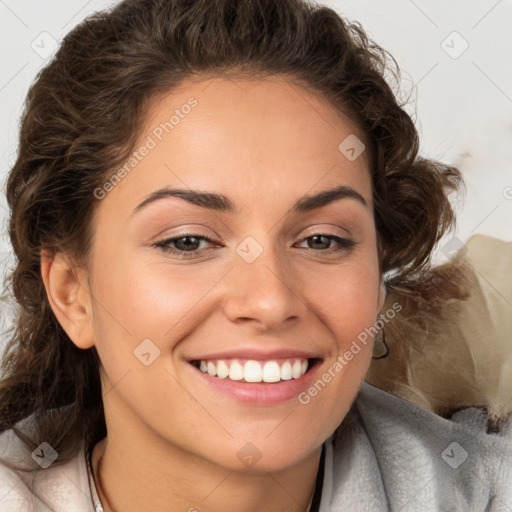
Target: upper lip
<point>258,354</point>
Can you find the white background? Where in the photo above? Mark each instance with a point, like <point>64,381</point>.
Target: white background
<point>462,105</point>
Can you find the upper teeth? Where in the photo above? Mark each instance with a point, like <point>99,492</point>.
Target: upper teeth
<point>255,371</point>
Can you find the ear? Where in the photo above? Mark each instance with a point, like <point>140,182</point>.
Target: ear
<point>69,296</point>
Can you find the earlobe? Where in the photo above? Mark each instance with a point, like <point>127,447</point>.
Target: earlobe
<point>69,297</point>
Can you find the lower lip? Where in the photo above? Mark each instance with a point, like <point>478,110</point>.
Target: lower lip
<point>260,393</point>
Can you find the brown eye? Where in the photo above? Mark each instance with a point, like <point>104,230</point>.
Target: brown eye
<point>183,246</point>
<point>322,242</point>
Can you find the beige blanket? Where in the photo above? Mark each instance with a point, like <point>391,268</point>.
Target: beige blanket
<point>451,345</point>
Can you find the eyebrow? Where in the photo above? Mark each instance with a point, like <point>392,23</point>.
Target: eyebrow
<point>221,203</point>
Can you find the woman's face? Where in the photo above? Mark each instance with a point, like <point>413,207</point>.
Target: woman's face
<point>260,276</point>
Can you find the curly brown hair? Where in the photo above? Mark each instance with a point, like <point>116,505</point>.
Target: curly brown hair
<point>83,116</point>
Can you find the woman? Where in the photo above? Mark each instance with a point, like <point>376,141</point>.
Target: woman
<point>209,203</point>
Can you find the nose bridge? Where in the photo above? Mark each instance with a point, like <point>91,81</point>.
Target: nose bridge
<point>262,285</point>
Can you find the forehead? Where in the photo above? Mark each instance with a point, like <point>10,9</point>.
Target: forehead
<point>270,109</point>
<point>268,137</point>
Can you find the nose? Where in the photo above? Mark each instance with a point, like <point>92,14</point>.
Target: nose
<point>266,292</point>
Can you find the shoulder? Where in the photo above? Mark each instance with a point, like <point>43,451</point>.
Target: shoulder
<point>392,413</point>
<point>31,482</point>
<point>409,458</point>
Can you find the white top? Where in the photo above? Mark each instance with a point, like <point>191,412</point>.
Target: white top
<point>388,454</point>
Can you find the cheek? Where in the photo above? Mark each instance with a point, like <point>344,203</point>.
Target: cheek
<point>346,298</point>
<point>157,301</point>
<point>345,302</point>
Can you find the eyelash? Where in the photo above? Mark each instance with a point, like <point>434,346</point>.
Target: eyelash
<point>345,243</point>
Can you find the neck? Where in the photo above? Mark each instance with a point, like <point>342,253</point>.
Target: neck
<point>120,474</point>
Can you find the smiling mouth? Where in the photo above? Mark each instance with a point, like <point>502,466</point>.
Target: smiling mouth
<point>253,371</point>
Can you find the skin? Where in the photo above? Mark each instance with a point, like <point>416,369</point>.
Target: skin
<point>264,143</point>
